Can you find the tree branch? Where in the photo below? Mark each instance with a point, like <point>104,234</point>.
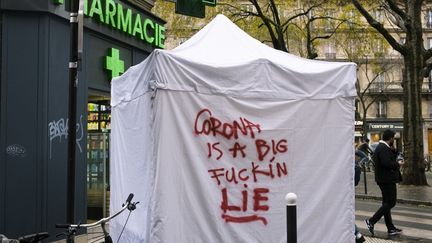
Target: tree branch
<point>331,34</point>
<point>268,23</point>
<point>237,11</point>
<point>304,13</point>
<point>275,12</point>
<point>380,28</point>
<point>394,7</point>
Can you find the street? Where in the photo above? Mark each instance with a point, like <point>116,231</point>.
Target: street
<point>416,221</point>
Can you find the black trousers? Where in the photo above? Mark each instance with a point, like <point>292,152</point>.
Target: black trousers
<point>389,195</point>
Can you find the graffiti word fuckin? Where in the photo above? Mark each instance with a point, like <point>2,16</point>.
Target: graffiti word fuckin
<point>253,174</point>
<point>264,165</point>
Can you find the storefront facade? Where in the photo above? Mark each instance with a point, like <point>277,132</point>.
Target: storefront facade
<point>377,127</point>
<point>34,105</point>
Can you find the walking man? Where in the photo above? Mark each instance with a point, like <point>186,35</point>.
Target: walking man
<point>387,174</point>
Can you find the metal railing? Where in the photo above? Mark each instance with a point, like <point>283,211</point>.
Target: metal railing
<point>396,87</point>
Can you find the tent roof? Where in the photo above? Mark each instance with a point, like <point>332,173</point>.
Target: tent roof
<point>223,59</point>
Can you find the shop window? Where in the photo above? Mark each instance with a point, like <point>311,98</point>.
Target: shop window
<point>380,81</point>
<point>379,16</point>
<point>377,46</point>
<point>99,117</point>
<point>246,9</point>
<point>351,19</point>
<point>352,45</point>
<point>381,109</point>
<point>429,43</point>
<point>330,51</point>
<point>429,18</point>
<point>328,25</point>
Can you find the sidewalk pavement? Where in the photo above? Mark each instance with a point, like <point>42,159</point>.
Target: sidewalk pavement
<point>416,195</point>
<point>378,240</point>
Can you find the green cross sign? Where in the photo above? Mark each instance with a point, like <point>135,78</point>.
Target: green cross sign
<point>113,63</point>
<point>58,1</point>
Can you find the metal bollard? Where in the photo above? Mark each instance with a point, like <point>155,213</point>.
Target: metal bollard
<point>291,214</point>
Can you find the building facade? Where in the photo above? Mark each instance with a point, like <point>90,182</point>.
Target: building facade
<point>35,40</point>
<point>379,66</point>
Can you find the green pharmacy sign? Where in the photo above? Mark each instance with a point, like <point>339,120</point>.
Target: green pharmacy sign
<point>209,2</point>
<point>113,63</point>
<point>121,18</point>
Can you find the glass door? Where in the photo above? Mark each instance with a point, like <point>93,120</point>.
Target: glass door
<point>97,175</point>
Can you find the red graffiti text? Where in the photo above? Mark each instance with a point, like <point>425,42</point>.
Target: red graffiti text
<point>206,124</point>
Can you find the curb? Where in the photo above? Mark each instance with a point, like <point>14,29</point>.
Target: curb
<point>399,200</point>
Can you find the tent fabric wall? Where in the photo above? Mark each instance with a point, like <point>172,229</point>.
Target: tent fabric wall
<point>294,120</point>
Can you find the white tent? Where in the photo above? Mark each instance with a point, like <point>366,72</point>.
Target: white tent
<point>212,135</point>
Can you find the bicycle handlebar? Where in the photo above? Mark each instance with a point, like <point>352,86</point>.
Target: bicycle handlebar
<point>128,200</point>
<point>128,205</point>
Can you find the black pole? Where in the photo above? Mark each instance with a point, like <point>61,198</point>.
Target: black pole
<point>73,84</point>
<point>364,177</point>
<point>291,215</point>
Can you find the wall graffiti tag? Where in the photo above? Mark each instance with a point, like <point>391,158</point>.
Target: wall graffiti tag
<point>16,150</point>
<point>59,130</point>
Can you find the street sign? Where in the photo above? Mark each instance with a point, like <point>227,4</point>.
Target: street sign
<point>209,2</point>
<point>193,8</point>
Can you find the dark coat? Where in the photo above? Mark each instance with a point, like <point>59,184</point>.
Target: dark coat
<point>364,147</point>
<point>386,166</point>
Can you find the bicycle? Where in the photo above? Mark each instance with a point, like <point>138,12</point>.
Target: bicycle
<point>32,238</point>
<point>367,164</point>
<point>72,228</point>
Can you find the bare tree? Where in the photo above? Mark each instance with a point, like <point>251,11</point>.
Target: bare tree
<point>371,89</point>
<point>286,20</point>
<point>358,40</point>
<point>406,16</point>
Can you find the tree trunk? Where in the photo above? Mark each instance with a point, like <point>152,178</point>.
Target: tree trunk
<point>414,169</point>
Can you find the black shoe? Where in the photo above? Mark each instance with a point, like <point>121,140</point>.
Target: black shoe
<point>398,230</point>
<point>360,240</point>
<point>370,227</point>
<point>394,231</point>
